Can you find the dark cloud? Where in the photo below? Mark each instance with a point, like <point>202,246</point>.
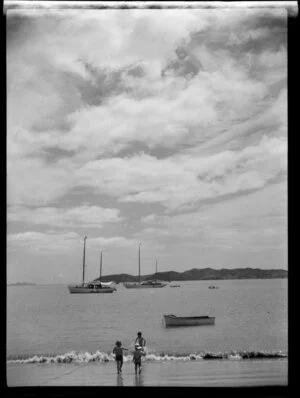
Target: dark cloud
<point>51,155</point>
<point>65,85</point>
<point>105,83</point>
<point>23,26</point>
<point>183,63</point>
<point>18,27</point>
<point>273,22</point>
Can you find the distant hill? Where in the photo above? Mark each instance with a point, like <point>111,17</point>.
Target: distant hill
<point>197,274</point>
<point>21,284</point>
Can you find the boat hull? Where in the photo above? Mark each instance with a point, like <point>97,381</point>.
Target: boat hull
<point>82,289</point>
<point>171,320</point>
<point>141,286</point>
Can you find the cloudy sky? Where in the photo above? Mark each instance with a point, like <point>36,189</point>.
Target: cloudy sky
<point>165,127</point>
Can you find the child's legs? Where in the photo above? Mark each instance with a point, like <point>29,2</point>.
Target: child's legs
<point>118,365</point>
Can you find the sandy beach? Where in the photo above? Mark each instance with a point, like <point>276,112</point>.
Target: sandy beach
<point>198,373</point>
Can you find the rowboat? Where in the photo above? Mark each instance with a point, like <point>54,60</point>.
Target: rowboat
<point>174,285</point>
<point>173,320</point>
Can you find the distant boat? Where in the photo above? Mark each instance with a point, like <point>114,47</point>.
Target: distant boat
<point>213,287</point>
<point>174,285</point>
<point>93,286</point>
<point>145,284</point>
<point>173,320</point>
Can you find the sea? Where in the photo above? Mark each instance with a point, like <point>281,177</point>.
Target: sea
<point>47,324</point>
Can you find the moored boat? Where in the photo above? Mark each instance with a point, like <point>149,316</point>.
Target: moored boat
<point>93,286</point>
<point>173,320</point>
<point>144,284</point>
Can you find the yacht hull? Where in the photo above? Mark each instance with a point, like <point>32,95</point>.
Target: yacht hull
<point>141,286</point>
<point>81,289</point>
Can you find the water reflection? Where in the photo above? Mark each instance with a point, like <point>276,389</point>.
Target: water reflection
<point>139,380</point>
<point>120,380</point>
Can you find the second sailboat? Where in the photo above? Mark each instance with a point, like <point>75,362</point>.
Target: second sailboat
<point>145,284</point>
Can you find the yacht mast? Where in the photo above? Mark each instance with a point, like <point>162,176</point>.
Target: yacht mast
<point>100,266</point>
<point>83,263</point>
<point>140,263</point>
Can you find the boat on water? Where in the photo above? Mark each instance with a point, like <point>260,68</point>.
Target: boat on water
<point>145,284</point>
<point>173,320</point>
<point>213,287</point>
<point>96,286</point>
<point>174,285</point>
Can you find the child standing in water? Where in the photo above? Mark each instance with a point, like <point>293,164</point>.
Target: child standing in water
<point>118,351</point>
<point>137,358</point>
<point>140,340</point>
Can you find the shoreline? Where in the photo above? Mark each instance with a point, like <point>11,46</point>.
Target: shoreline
<point>209,373</point>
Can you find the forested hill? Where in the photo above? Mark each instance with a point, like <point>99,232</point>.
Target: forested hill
<point>197,274</point>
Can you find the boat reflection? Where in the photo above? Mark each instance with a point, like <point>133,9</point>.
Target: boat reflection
<point>139,380</point>
<point>120,380</point>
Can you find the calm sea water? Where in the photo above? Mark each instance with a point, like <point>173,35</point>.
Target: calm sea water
<point>46,320</point>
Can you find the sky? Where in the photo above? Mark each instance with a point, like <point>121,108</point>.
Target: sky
<point>161,127</point>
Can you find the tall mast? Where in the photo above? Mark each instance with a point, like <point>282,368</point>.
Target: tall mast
<point>140,263</point>
<point>156,270</point>
<point>83,264</point>
<point>100,265</point>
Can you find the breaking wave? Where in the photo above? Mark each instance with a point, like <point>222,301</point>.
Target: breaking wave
<point>98,356</point>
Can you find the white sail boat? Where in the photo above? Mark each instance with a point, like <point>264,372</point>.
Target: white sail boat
<point>94,286</point>
<point>145,284</point>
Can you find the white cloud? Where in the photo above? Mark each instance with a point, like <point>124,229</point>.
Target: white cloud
<point>115,241</point>
<point>184,179</point>
<point>205,111</point>
<point>52,242</point>
<point>30,181</point>
<point>258,219</point>
<point>39,242</point>
<point>215,132</point>
<point>92,216</point>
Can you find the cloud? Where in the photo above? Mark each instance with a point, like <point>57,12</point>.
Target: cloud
<point>178,114</point>
<point>180,180</point>
<point>53,68</point>
<point>256,220</point>
<point>32,182</point>
<point>39,242</point>
<point>82,216</point>
<point>53,242</point>
<point>107,38</point>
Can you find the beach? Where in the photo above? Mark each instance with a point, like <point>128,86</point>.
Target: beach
<point>208,373</point>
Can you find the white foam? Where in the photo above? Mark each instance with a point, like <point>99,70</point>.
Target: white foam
<point>98,356</point>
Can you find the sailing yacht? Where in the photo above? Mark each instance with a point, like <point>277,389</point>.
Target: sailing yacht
<point>95,286</point>
<point>145,284</point>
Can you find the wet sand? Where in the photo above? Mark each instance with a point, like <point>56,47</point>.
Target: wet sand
<point>198,373</point>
